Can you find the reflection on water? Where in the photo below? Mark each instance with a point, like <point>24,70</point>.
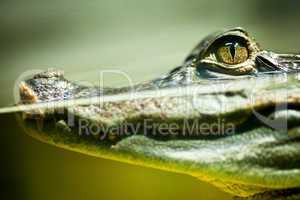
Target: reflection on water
<point>142,38</point>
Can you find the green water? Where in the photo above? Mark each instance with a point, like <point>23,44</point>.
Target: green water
<point>144,39</point>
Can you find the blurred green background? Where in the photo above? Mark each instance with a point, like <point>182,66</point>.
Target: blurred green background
<point>142,38</point>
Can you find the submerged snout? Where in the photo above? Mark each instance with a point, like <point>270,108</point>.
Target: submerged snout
<point>268,61</point>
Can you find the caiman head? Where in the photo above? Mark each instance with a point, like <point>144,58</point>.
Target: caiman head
<point>229,115</point>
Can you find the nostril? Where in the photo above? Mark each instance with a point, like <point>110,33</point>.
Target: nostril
<point>27,95</point>
<point>50,73</point>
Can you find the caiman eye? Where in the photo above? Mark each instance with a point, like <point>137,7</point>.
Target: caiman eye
<point>232,53</point>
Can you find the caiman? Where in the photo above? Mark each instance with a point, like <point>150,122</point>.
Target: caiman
<point>229,115</point>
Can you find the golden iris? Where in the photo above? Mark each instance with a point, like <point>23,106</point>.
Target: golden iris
<point>232,53</point>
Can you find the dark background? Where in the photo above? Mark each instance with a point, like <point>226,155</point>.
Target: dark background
<point>142,38</point>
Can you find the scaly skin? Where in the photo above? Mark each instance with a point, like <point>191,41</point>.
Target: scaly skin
<point>229,132</point>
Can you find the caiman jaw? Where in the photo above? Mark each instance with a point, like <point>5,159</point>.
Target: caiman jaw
<point>254,158</point>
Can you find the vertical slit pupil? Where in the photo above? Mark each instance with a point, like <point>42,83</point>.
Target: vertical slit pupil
<point>232,48</point>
